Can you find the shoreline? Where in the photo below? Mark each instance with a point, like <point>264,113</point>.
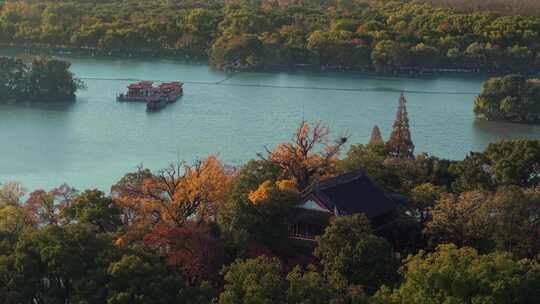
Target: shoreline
<point>186,56</point>
<point>43,99</point>
<point>531,123</point>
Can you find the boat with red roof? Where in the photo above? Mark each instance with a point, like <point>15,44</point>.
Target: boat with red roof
<point>155,97</point>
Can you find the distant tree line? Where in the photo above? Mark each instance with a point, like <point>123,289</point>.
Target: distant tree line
<point>386,36</point>
<point>512,98</point>
<point>523,7</point>
<point>204,233</point>
<point>38,78</point>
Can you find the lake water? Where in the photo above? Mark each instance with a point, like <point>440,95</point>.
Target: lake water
<point>92,142</point>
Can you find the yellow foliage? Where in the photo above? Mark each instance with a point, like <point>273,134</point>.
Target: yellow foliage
<point>268,190</point>
<point>261,194</point>
<point>287,185</point>
<point>174,195</point>
<point>14,219</point>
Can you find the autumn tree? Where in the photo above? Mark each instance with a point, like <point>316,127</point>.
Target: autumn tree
<point>171,211</point>
<point>47,206</point>
<point>400,144</point>
<point>309,155</point>
<point>173,195</point>
<point>192,248</point>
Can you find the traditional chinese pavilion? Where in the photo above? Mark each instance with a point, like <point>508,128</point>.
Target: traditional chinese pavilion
<point>342,195</point>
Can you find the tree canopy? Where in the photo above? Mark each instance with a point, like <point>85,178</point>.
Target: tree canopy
<point>512,98</point>
<point>388,36</point>
<point>39,79</point>
<point>461,275</point>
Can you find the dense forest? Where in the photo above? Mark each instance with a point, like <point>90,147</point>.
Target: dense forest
<point>36,78</point>
<point>524,7</point>
<point>384,36</point>
<point>203,232</point>
<point>512,97</point>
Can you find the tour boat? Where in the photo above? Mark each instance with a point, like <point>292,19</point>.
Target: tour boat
<point>155,97</point>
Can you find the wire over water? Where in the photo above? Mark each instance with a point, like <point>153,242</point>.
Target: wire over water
<point>222,83</point>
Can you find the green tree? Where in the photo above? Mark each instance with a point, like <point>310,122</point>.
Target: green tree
<point>371,159</point>
<point>515,162</point>
<point>258,210</point>
<point>461,275</point>
<point>308,287</point>
<point>142,278</point>
<point>511,97</point>
<point>51,79</point>
<point>388,56</point>
<point>41,79</point>
<point>423,55</point>
<point>14,220</point>
<point>63,264</point>
<point>422,198</point>
<point>202,23</point>
<point>254,281</point>
<point>92,206</point>
<point>237,52</point>
<point>472,173</point>
<point>352,255</point>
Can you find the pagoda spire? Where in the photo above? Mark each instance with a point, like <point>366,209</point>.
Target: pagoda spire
<point>400,144</point>
<point>376,138</point>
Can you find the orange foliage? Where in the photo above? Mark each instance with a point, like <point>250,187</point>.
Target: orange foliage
<point>287,185</point>
<point>261,194</point>
<point>172,196</point>
<point>308,156</point>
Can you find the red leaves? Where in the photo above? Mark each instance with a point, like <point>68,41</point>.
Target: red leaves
<point>46,207</point>
<point>191,248</point>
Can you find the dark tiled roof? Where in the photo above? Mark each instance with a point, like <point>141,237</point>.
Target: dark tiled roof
<point>352,193</point>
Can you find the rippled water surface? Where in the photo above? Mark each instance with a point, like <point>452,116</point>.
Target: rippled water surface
<point>92,142</point>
